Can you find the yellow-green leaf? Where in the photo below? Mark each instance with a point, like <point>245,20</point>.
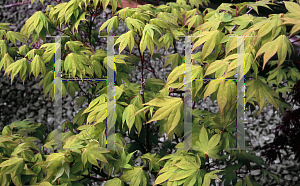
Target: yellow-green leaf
<point>37,65</point>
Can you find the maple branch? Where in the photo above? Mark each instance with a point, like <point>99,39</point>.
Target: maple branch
<point>152,69</point>
<point>16,4</point>
<point>87,94</point>
<point>143,98</point>
<point>174,44</point>
<point>72,163</point>
<point>176,138</point>
<point>131,98</point>
<point>220,55</point>
<point>194,104</point>
<point>241,10</point>
<point>225,27</point>
<point>74,38</point>
<point>147,69</point>
<point>235,26</point>
<point>124,49</point>
<point>90,26</point>
<point>295,41</point>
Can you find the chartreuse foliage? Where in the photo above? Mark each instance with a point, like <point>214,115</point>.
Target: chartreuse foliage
<point>145,111</point>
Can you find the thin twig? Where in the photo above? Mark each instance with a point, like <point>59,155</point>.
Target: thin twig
<point>295,41</point>
<point>124,49</point>
<point>194,104</point>
<point>241,10</point>
<point>16,4</point>
<point>74,39</point>
<point>90,28</point>
<point>152,69</point>
<point>143,99</point>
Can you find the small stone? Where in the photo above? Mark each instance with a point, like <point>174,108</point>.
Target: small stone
<point>11,95</point>
<point>295,179</point>
<point>20,87</point>
<point>37,104</point>
<point>35,86</point>
<point>42,111</point>
<point>30,115</point>
<point>50,120</point>
<point>265,138</point>
<point>270,112</point>
<point>255,172</point>
<point>288,177</point>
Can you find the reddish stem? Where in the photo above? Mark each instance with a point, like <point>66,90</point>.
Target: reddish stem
<point>16,4</point>
<point>241,10</point>
<point>296,41</point>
